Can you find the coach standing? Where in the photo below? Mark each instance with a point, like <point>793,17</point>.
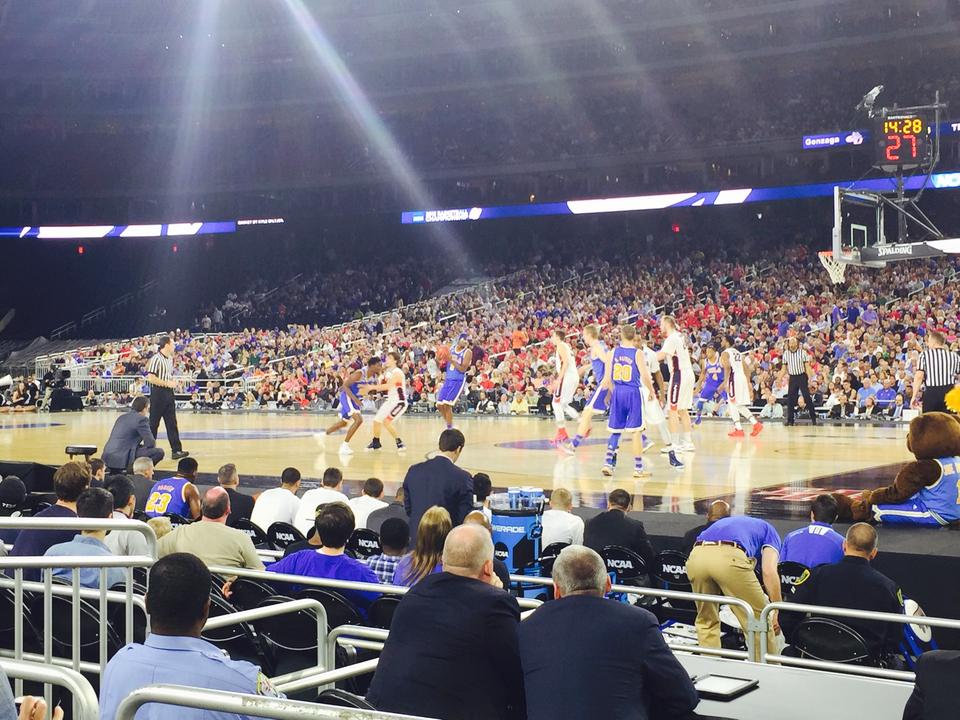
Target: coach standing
<point>796,365</point>
<point>163,404</point>
<point>937,373</point>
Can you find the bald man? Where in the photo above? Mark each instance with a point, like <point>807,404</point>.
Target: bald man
<point>718,509</point>
<point>210,539</point>
<point>453,649</point>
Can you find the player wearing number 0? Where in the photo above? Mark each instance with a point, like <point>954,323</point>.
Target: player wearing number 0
<point>675,352</point>
<point>455,379</point>
<point>599,360</point>
<point>564,386</point>
<point>350,401</point>
<point>652,411</point>
<point>739,393</point>
<point>394,384</point>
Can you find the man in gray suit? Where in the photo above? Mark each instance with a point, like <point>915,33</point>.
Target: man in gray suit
<point>130,431</point>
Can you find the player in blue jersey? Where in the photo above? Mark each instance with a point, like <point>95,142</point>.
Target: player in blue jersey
<point>818,543</point>
<point>711,380</point>
<point>350,401</point>
<point>455,379</point>
<point>174,495</point>
<point>598,400</point>
<point>626,375</point>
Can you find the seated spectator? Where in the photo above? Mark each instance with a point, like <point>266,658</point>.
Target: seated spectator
<point>69,481</point>
<point>718,509</point>
<point>485,405</point>
<point>241,504</point>
<point>394,538</point>
<point>98,472</point>
<point>334,525</point>
<point>886,395</point>
<point>503,406</point>
<point>519,406</point>
<point>867,390</point>
<point>482,486</point>
<point>853,583</point>
<point>772,409</point>
<point>499,566</point>
<point>559,524</point>
<point>896,408</point>
<point>178,604</point>
<point>615,665</point>
<point>279,504</point>
<point>934,696</point>
<point>452,650</point>
<point>613,527</point>
<point>12,494</point>
<point>124,542</point>
<point>370,499</point>
<point>142,481</point>
<point>161,526</point>
<point>330,490</point>
<point>427,553</point>
<point>176,495</point>
<point>818,543</point>
<point>210,539</point>
<point>95,504</point>
<point>394,510</point>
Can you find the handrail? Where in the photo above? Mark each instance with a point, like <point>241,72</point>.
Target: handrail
<point>351,631</point>
<point>243,705</point>
<point>85,703</point>
<point>328,678</point>
<point>78,524</point>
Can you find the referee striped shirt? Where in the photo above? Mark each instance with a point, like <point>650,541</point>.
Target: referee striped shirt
<point>940,367</point>
<point>796,361</point>
<point>160,366</point>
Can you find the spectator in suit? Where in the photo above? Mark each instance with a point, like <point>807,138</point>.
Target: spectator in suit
<point>142,481</point>
<point>934,696</point>
<point>718,509</point>
<point>559,524</point>
<point>439,482</point>
<point>613,527</point>
<point>614,665</point>
<point>427,553</point>
<point>453,650</point>
<point>499,566</point>
<point>394,510</point>
<point>131,438</point>
<point>241,505</point>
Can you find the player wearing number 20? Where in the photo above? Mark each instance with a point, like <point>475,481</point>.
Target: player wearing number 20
<point>623,378</point>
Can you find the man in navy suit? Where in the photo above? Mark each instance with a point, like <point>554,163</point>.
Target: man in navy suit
<point>131,438</point>
<point>452,651</point>
<point>934,696</point>
<point>588,657</point>
<point>439,482</point>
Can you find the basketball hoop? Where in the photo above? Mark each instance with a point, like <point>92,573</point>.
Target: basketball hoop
<point>835,268</point>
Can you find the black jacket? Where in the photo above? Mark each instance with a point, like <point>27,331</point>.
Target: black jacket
<point>852,583</point>
<point>613,527</point>
<point>587,657</point>
<point>452,653</point>
<point>129,431</point>
<point>437,482</point>
<point>934,694</point>
<point>241,506</point>
<point>376,518</point>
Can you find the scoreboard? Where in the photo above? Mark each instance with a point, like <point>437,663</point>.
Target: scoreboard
<point>901,142</point>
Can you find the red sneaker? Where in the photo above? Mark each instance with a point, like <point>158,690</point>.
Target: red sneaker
<point>757,429</point>
<point>560,437</point>
<point>735,434</point>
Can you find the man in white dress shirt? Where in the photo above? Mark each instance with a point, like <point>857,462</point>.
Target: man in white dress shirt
<point>279,504</point>
<point>370,500</point>
<point>331,490</point>
<point>559,524</point>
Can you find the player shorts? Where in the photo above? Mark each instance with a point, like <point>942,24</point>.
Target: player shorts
<point>912,512</point>
<point>391,410</point>
<point>626,410</point>
<point>450,391</point>
<point>738,390</point>
<point>709,392</point>
<point>566,389</point>
<point>348,408</point>
<point>681,390</point>
<point>652,412</point>
<point>598,400</point>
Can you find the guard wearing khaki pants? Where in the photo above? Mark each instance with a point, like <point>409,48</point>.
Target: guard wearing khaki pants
<point>722,563</point>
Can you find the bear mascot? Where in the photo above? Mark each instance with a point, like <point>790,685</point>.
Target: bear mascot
<point>925,491</point>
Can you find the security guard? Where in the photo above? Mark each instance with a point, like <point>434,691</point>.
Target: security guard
<point>722,563</point>
<point>178,603</point>
<point>853,583</point>
<point>818,543</point>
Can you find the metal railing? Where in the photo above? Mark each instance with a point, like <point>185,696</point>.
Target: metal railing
<point>243,705</point>
<point>80,524</point>
<point>85,704</point>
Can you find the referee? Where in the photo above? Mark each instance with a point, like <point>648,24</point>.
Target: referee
<point>163,404</point>
<point>795,363</point>
<point>937,373</point>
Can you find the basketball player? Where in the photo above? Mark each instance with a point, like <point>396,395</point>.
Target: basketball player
<point>350,401</point>
<point>711,381</point>
<point>599,359</point>
<point>675,352</point>
<point>455,380</point>
<point>739,392</point>
<point>394,384</point>
<point>652,411</point>
<point>564,386</point>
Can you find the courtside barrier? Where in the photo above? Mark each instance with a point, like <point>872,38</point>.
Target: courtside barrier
<point>78,524</point>
<point>85,703</point>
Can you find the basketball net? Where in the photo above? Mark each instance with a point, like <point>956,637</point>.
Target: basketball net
<point>835,268</point>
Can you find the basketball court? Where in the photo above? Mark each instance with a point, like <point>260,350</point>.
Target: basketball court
<point>773,475</point>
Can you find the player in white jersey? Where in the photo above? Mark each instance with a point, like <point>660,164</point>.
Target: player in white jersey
<point>395,385</point>
<point>568,379</point>
<point>599,398</point>
<point>652,410</point>
<point>674,351</point>
<point>739,392</point>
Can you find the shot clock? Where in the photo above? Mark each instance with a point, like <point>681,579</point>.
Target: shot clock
<point>902,141</point>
